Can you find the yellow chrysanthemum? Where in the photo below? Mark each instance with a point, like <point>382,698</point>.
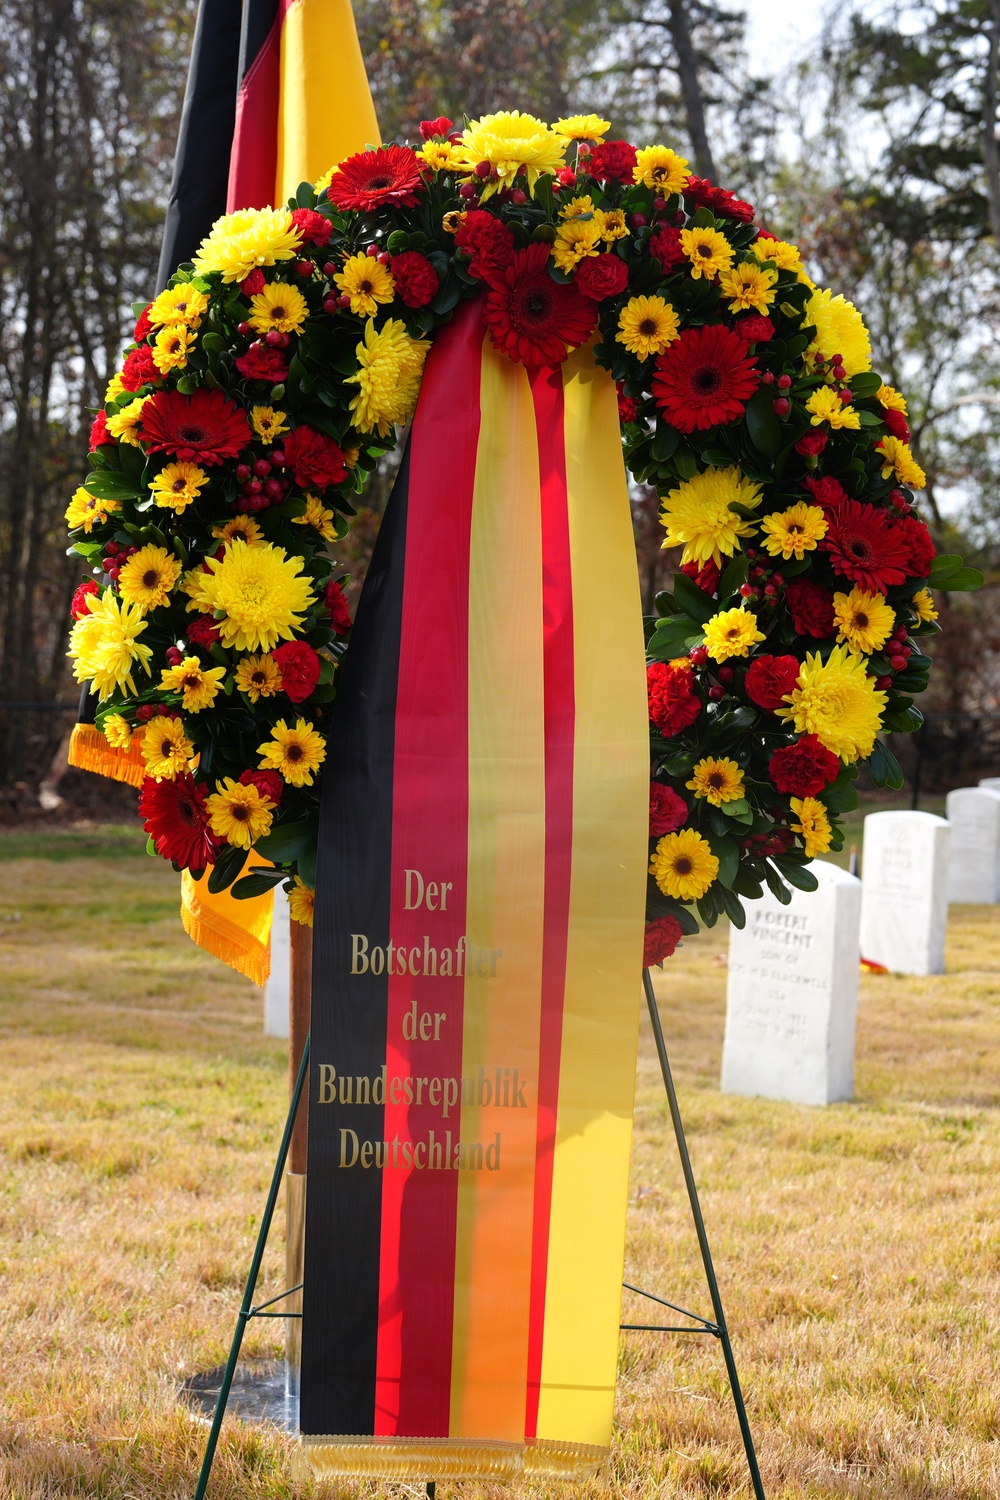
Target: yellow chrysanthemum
<point>795,531</point>
<point>813,825</point>
<point>318,517</point>
<point>148,577</point>
<point>294,753</point>
<point>717,780</point>
<point>240,814</point>
<point>612,222</point>
<point>697,515</point>
<point>172,346</point>
<point>577,207</point>
<point>708,251</point>
<point>388,380</point>
<point>301,901</point>
<point>126,424</point>
<point>114,387</point>
<point>890,398</point>
<point>178,304</point>
<point>117,732</point>
<point>351,456</point>
<point>864,621</point>
<point>260,593</point>
<point>748,286</point>
<point>258,677</point>
<point>897,459</point>
<point>367,282</point>
<point>838,702</point>
<point>511,142</point>
<point>840,330</point>
<point>731,633</point>
<point>166,748</point>
<point>278,306</point>
<point>440,156</point>
<point>242,242</point>
<point>199,685</point>
<point>683,865</point>
<point>104,645</point>
<point>646,325</point>
<point>177,486</point>
<point>88,510</point>
<point>923,606</point>
<point>322,183</point>
<point>583,127</point>
<point>268,423</point>
<point>661,169</point>
<point>824,405</point>
<point>243,527</point>
<point>574,241</point>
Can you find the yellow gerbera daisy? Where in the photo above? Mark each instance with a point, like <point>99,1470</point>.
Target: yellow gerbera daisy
<point>583,127</point>
<point>260,593</point>
<point>177,486</point>
<point>717,780</point>
<point>511,142</point>
<point>199,685</point>
<point>367,282</point>
<point>452,221</point>
<point>697,515</point>
<point>104,645</point>
<point>301,901</point>
<point>440,156</point>
<point>813,825</point>
<point>280,306</point>
<point>864,621</point>
<point>748,286</point>
<point>243,527</point>
<point>612,222</point>
<point>126,424</point>
<point>891,399</point>
<point>148,577</point>
<point>838,702</point>
<point>258,677</point>
<point>178,304</point>
<point>172,346</point>
<point>731,633</point>
<point>577,207</point>
<point>897,459</point>
<point>824,405</point>
<point>923,606</point>
<point>88,510</point>
<point>318,517</point>
<point>240,814</point>
<point>166,748</point>
<point>242,242</point>
<point>117,732</point>
<point>683,865</point>
<point>840,330</point>
<point>786,257</point>
<point>114,387</point>
<point>661,169</point>
<point>795,531</point>
<point>268,423</point>
<point>708,251</point>
<point>388,380</point>
<point>574,241</point>
<point>646,325</point>
<point>294,753</point>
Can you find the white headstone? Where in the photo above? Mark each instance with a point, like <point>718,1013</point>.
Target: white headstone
<point>793,993</point>
<point>276,988</point>
<point>904,892</point>
<point>991,783</point>
<point>974,868</point>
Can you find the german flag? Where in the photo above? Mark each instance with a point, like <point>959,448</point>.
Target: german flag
<point>478,944</point>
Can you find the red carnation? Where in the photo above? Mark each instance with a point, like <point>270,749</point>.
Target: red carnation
<point>827,491</point>
<point>415,278</point>
<point>667,810</point>
<point>314,227</point>
<point>174,813</point>
<point>299,665</point>
<point>803,769</point>
<point>811,607</point>
<point>628,408</point>
<point>920,545</point>
<point>612,161</point>
<point>601,276</point>
<point>261,362</point>
<point>372,179</point>
<point>673,702</point>
<point>530,317</point>
<point>430,129</point>
<point>79,607</point>
<point>895,423</point>
<point>488,243</point>
<point>756,329</point>
<point>724,204</point>
<point>865,547</point>
<point>770,679</point>
<point>139,369</point>
<point>143,325</point>
<point>812,443</point>
<point>706,576</point>
<point>665,244</point>
<point>203,428</point>
<point>202,630</point>
<point>254,283</point>
<point>99,434</point>
<point>314,458</point>
<point>705,377</point>
<point>662,937</point>
<point>268,783</point>
<point>336,608</point>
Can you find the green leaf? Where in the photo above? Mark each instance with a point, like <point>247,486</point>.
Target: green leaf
<point>945,562</point>
<point>285,842</point>
<point>961,582</point>
<point>734,907</point>
<point>884,767</point>
<point>305,197</point>
<point>795,874</point>
<point>869,419</point>
<point>226,868</point>
<point>670,638</point>
<point>734,575</point>
<point>762,424</point>
<point>866,383</point>
<point>776,885</point>
<point>665,442</point>
<point>257,884</point>
<point>727,852</point>
<point>691,599</point>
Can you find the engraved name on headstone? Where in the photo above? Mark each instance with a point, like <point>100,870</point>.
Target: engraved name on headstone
<point>904,891</point>
<point>974,866</point>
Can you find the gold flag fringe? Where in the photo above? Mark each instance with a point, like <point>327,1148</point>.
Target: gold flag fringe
<point>90,751</point>
<point>443,1458</point>
<point>238,932</point>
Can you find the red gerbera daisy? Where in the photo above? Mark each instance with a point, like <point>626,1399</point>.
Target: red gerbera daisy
<point>865,548</point>
<point>530,317</point>
<point>174,813</point>
<point>204,428</point>
<point>721,201</point>
<point>705,377</point>
<point>390,174</point>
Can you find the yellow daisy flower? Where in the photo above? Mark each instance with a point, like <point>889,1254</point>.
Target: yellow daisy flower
<point>177,486</point>
<point>294,753</point>
<point>322,183</point>
<point>258,677</point>
<point>367,283</point>
<point>104,646</point>
<point>574,241</point>
<point>279,306</point>
<point>165,747</point>
<point>577,207</point>
<point>786,257</point>
<point>891,399</point>
<point>268,423</point>
<point>825,405</point>
<point>511,142</point>
<point>708,251</point>
<point>683,865</point>
<point>200,686</point>
<point>351,456</point>
<point>301,900</point>
<point>126,424</point>
<point>748,287</point>
<point>318,517</point>
<point>388,378</point>
<point>697,515</point>
<point>838,702</point>
<point>117,732</point>
<point>661,169</point>
<point>246,240</point>
<point>813,825</point>
<point>840,330</point>
<point>182,304</point>
<point>114,388</point>
<point>646,325</point>
<point>897,459</point>
<point>612,222</point>
<point>923,606</point>
<point>440,156</point>
<point>583,127</point>
<point>795,531</point>
<point>172,346</point>
<point>452,222</point>
<point>88,510</point>
<point>864,621</point>
<point>243,527</point>
<point>148,577</point>
<point>259,591</point>
<point>240,814</point>
<point>717,780</point>
<point>731,633</point>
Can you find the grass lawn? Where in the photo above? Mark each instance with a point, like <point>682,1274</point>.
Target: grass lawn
<point>858,1247</point>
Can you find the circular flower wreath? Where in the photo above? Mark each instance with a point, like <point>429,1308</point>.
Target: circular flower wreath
<point>265,383</point>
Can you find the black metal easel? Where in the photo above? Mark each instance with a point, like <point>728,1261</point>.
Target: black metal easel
<point>716,1326</point>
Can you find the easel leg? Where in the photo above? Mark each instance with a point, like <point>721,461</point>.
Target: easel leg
<point>703,1245</point>
<point>255,1264</point>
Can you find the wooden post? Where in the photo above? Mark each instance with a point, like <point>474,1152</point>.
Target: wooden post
<point>299,998</point>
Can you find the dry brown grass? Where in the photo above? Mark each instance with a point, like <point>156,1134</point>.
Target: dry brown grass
<point>858,1247</point>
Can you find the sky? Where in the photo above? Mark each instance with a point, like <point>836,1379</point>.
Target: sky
<point>772,41</point>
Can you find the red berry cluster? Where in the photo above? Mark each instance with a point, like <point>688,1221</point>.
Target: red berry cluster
<point>114,559</point>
